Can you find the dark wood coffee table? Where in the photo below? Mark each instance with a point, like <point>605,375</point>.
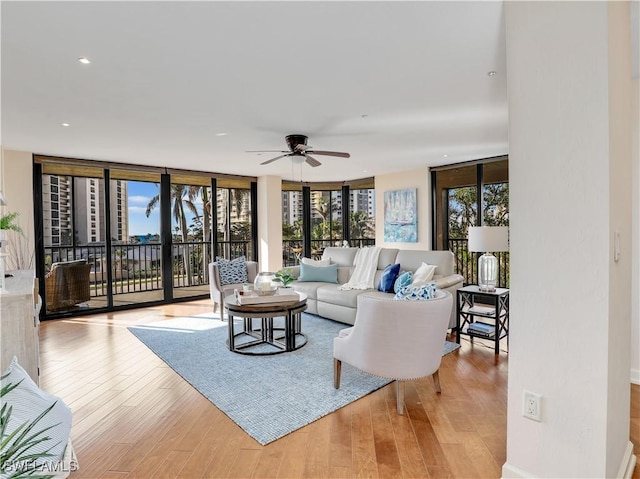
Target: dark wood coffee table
<point>283,339</point>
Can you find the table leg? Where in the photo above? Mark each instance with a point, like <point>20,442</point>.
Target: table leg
<point>232,345</point>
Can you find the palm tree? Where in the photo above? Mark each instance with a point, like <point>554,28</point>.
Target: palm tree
<point>178,192</point>
<point>361,225</point>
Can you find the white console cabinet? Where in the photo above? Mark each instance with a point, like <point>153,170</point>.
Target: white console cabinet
<point>19,322</point>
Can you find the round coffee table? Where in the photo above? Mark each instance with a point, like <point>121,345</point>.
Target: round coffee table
<point>283,339</point>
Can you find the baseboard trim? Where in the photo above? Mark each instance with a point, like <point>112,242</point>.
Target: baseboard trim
<point>512,472</point>
<point>635,376</point>
<point>625,472</point>
<point>628,463</point>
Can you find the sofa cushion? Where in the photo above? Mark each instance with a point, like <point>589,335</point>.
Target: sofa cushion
<point>386,256</point>
<point>326,274</point>
<point>410,260</point>
<point>316,262</point>
<point>388,278</point>
<point>423,274</point>
<point>340,256</point>
<point>403,280</point>
<point>308,288</point>
<point>331,294</point>
<point>232,271</point>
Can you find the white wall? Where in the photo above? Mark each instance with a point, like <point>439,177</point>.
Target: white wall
<point>419,179</point>
<point>635,305</point>
<point>570,188</point>
<point>16,172</point>
<point>270,223</point>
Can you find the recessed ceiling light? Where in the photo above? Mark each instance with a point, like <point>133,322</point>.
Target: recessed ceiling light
<point>84,60</point>
<point>222,134</point>
<point>446,156</point>
<point>491,73</point>
<point>65,124</point>
<point>364,171</point>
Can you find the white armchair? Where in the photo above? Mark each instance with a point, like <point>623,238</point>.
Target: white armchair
<point>218,291</point>
<point>400,340</point>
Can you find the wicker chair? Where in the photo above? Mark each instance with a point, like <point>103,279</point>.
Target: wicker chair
<point>67,284</point>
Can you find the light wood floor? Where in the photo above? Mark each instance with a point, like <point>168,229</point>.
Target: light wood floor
<point>135,417</point>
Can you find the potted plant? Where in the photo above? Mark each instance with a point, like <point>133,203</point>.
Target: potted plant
<point>8,223</point>
<point>284,277</point>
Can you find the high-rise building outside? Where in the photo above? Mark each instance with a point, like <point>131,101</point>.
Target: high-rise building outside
<point>59,203</point>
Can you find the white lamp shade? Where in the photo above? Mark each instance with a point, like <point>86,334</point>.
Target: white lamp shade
<point>488,238</point>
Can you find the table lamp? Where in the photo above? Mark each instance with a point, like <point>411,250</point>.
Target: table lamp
<point>487,239</point>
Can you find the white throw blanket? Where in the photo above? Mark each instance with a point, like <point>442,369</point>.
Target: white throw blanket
<point>366,263</point>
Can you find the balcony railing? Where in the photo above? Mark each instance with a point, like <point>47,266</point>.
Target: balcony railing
<point>137,267</point>
<point>234,249</point>
<point>466,263</point>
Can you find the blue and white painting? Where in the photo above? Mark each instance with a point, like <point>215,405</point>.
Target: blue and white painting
<point>400,216</point>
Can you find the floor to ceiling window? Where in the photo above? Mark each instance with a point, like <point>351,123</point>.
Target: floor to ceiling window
<point>73,232</point>
<point>459,192</point>
<point>362,217</point>
<point>234,223</point>
<point>113,236</point>
<point>136,259</point>
<point>292,224</point>
<point>319,215</point>
<point>326,220</point>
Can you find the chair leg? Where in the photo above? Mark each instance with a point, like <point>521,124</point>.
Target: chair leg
<point>400,397</point>
<point>337,368</point>
<point>436,381</point>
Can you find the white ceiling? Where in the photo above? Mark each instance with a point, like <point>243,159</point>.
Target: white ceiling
<point>396,84</point>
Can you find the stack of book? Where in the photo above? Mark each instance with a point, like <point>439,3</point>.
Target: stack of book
<point>482,329</point>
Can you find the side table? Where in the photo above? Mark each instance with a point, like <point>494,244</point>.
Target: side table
<point>495,306</point>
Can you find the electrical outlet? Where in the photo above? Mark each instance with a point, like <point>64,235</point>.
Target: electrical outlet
<point>532,405</point>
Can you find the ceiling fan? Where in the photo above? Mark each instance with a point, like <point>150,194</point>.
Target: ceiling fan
<point>299,151</point>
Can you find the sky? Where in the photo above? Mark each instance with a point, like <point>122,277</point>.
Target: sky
<point>138,196</point>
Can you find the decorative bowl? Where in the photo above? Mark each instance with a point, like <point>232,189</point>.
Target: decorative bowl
<point>264,284</point>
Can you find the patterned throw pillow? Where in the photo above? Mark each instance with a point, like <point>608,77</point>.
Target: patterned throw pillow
<point>417,293</point>
<point>388,278</point>
<point>403,280</point>
<point>232,271</point>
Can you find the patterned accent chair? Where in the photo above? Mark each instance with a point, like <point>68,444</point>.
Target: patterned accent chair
<point>67,284</point>
<point>399,340</point>
<point>220,287</point>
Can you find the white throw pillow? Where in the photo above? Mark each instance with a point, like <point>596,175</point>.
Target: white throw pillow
<point>423,274</point>
<point>28,402</point>
<point>316,262</point>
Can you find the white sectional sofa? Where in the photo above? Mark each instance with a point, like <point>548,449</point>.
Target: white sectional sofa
<point>325,299</point>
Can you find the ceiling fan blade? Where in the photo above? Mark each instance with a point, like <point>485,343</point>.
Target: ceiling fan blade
<point>266,151</point>
<point>330,153</point>
<point>312,161</point>
<point>273,159</point>
<point>302,147</point>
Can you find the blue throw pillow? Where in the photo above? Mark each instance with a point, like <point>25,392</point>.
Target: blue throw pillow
<point>232,271</point>
<point>403,280</point>
<point>325,274</point>
<point>388,278</point>
<point>417,293</point>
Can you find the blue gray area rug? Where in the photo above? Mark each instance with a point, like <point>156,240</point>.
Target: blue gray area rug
<point>267,396</point>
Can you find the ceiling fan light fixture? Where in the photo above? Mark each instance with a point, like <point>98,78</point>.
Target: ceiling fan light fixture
<point>298,159</point>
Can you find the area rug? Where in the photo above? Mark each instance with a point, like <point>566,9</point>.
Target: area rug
<point>267,396</point>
